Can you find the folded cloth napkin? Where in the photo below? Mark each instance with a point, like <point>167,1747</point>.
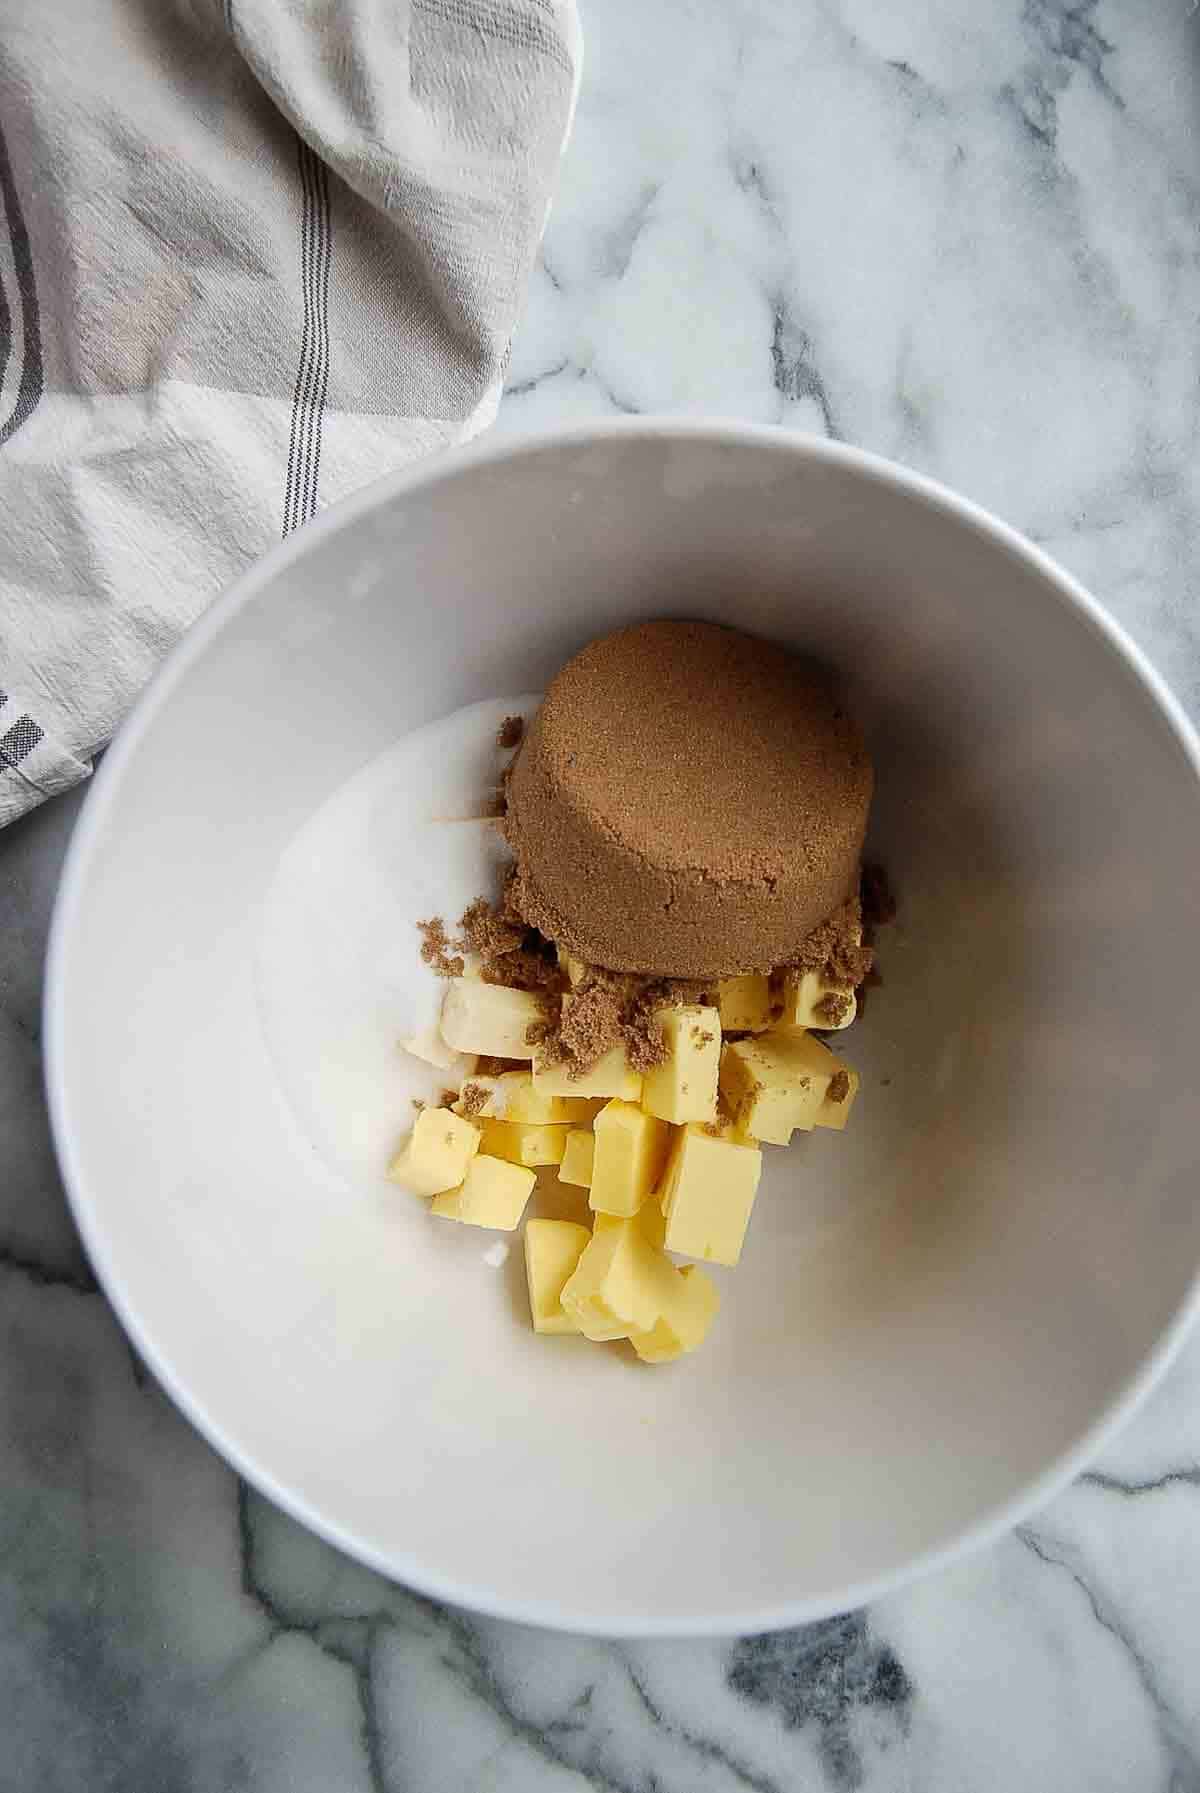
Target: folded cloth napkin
<point>252,253</point>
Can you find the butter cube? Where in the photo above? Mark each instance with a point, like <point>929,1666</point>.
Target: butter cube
<point>744,1003</point>
<point>524,1102</point>
<point>552,1251</point>
<point>621,1284</point>
<point>610,1076</point>
<point>436,1153</point>
<point>835,1109</point>
<point>517,1142</point>
<point>631,1149</point>
<point>577,1158</point>
<point>492,1193</point>
<point>707,1195</point>
<point>777,1082</point>
<point>684,1087</point>
<point>810,1000</point>
<point>481,1098</point>
<point>428,1045</point>
<point>684,1320</point>
<point>489,1019</point>
<point>650,1219</point>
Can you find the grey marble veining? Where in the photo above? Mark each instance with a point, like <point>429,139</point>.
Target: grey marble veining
<point>967,236</point>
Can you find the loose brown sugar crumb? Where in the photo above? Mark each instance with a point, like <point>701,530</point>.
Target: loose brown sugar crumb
<point>589,1025</point>
<point>704,1039</point>
<point>509,733</point>
<point>437,948</point>
<point>839,1087</point>
<point>417,1103</point>
<point>525,970</point>
<point>448,1098</point>
<point>833,1007</point>
<point>474,1099</point>
<point>836,948</point>
<point>488,932</point>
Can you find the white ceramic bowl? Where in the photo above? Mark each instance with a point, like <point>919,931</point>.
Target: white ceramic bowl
<point>938,1314</point>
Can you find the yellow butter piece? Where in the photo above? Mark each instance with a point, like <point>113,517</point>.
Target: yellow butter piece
<point>810,1000</point>
<point>610,1076</point>
<point>776,1082</point>
<point>621,1284</point>
<point>493,1193</point>
<point>744,1003</point>
<point>833,1113</point>
<point>487,1102</point>
<point>684,1087</point>
<point>436,1153</point>
<point>552,1251</point>
<point>684,1321</point>
<point>489,1019</point>
<point>578,1154</point>
<point>650,1219</point>
<point>519,1142</point>
<point>428,1045</point>
<point>707,1194</point>
<point>631,1149</point>
<point>523,1101</point>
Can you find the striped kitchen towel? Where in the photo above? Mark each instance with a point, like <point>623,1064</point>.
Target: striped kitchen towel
<point>252,253</point>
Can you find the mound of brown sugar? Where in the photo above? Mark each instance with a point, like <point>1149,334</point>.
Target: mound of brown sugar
<point>688,802</point>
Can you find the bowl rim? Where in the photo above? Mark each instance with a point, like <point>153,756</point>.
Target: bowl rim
<point>994,1522</point>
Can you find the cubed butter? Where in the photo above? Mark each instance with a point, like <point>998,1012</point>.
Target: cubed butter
<point>493,1193</point>
<point>777,1082</point>
<point>577,1158</point>
<point>489,1019</point>
<point>436,1154</point>
<point>428,1045</point>
<point>707,1195</point>
<point>631,1149</point>
<point>621,1284</point>
<point>810,1000</point>
<point>684,1321</point>
<point>684,1087</point>
<point>839,1098</point>
<point>610,1076</point>
<point>523,1101</point>
<point>552,1251</point>
<point>744,1003</point>
<point>519,1142</point>
<point>650,1219</point>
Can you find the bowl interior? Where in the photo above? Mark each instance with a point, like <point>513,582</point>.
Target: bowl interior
<point>932,1308</point>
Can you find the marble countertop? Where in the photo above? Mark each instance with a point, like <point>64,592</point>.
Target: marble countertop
<point>967,236</point>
